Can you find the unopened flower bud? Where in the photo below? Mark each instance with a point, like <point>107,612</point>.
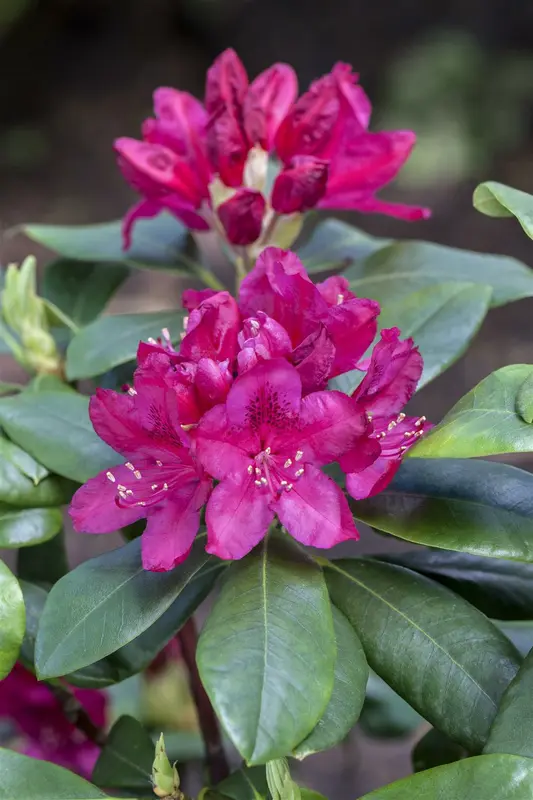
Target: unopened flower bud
<point>165,777</point>
<point>279,780</point>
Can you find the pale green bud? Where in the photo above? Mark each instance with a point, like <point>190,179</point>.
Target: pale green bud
<point>279,780</point>
<point>165,777</point>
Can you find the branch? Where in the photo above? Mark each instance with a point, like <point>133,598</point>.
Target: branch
<point>76,714</point>
<point>215,756</point>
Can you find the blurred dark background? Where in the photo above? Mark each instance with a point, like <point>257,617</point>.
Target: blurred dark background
<point>75,74</point>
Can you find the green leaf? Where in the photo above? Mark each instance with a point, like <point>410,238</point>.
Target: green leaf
<point>479,507</point>
<point>24,528</point>
<point>524,399</point>
<point>9,388</point>
<point>385,714</point>
<point>110,341</point>
<point>512,730</point>
<point>44,563</point>
<point>442,319</point>
<point>346,701</point>
<point>23,461</point>
<point>54,427</point>
<point>519,633</point>
<point>244,784</point>
<point>104,604</point>
<point>484,422</point>
<point>267,652</point>
<point>18,490</point>
<point>12,620</point>
<point>333,242</point>
<point>24,778</point>
<point>405,623</point>
<point>500,777</point>
<point>404,267</point>
<point>435,749</point>
<point>500,589</point>
<point>157,243</point>
<point>496,200</point>
<point>82,289</point>
<point>126,759</point>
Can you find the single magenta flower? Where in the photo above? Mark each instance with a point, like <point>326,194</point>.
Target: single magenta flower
<point>266,445</point>
<point>208,163</point>
<point>393,372</point>
<point>40,726</point>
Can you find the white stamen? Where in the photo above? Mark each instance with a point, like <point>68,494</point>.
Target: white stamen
<point>299,472</point>
<point>288,487</point>
<point>110,477</point>
<point>121,488</point>
<point>129,465</point>
<point>264,481</point>
<point>131,392</point>
<point>420,421</point>
<point>400,417</point>
<point>122,495</point>
<point>250,469</point>
<point>165,487</point>
<point>299,455</point>
<point>151,340</point>
<point>137,474</point>
<point>258,483</point>
<point>268,451</point>
<point>283,483</point>
<point>340,299</point>
<point>185,322</point>
<point>129,492</point>
<point>288,463</point>
<point>254,325</point>
<point>166,334</point>
<point>159,463</point>
<point>408,434</point>
<point>154,487</point>
<point>257,471</point>
<point>369,417</point>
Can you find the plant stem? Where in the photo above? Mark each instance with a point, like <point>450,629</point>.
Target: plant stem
<point>76,714</point>
<point>216,758</point>
<point>207,277</point>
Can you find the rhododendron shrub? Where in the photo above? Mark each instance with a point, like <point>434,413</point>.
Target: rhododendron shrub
<point>239,448</point>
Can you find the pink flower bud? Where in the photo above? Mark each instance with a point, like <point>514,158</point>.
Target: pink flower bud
<point>300,186</point>
<point>242,216</point>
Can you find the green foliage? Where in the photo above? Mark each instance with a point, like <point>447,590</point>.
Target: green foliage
<point>80,289</point>
<point>126,758</point>
<point>496,200</point>
<point>12,620</point>
<point>512,730</point>
<point>27,778</point>
<point>434,749</point>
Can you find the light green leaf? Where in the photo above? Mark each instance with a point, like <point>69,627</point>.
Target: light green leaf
<point>54,427</point>
<point>9,388</point>
<point>104,604</point>
<point>346,701</point>
<point>524,399</point>
<point>82,289</point>
<point>500,777</point>
<point>496,200</point>
<point>405,267</point>
<point>334,242</point>
<point>12,621</point>
<point>500,589</point>
<point>157,243</point>
<point>419,636</point>
<point>23,461</point>
<point>126,759</point>
<point>512,730</point>
<point>267,652</point>
<point>484,422</point>
<point>244,784</point>
<point>16,489</point>
<point>442,319</point>
<point>24,528</point>
<point>110,341</point>
<point>478,507</point>
<point>24,778</point>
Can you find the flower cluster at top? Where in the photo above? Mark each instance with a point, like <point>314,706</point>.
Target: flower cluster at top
<point>244,402</point>
<point>254,156</point>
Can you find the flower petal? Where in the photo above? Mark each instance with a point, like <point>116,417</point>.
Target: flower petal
<point>212,329</point>
<point>267,396</point>
<point>221,449</point>
<point>237,516</point>
<point>394,371</point>
<point>191,298</point>
<point>213,380</point>
<point>115,420</point>
<point>145,209</point>
<point>267,101</point>
<point>314,359</point>
<point>335,290</point>
<point>242,216</point>
<point>300,185</point>
<point>172,526</point>
<point>352,327</point>
<point>315,511</point>
<point>374,478</point>
<point>94,509</point>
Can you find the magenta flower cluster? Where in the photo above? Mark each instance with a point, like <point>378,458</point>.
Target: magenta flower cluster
<point>208,164</point>
<point>240,419</point>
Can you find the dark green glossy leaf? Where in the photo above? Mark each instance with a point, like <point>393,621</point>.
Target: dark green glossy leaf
<point>442,319</point>
<point>16,489</point>
<point>126,759</point>
<point>54,427</point>
<point>496,200</point>
<point>478,507</point>
<point>520,634</point>
<point>385,714</point>
<point>484,422</point>
<point>435,749</point>
<point>12,620</point>
<point>44,563</point>
<point>24,528</point>
<point>334,242</point>
<point>23,778</point>
<point>406,623</point>
<point>110,341</point>
<point>500,589</point>
<point>157,243</point>
<point>512,730</point>
<point>346,701</point>
<point>267,652</point>
<point>82,289</point>
<point>404,267</point>
<point>244,784</point>
<point>524,399</point>
<point>499,777</point>
<point>104,604</point>
<point>23,461</point>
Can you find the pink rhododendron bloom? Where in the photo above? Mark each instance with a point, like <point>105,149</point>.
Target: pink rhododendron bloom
<point>393,373</point>
<point>266,445</point>
<point>40,725</point>
<point>207,163</point>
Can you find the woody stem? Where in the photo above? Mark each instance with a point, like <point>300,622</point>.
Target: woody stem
<point>76,714</point>
<point>217,764</point>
